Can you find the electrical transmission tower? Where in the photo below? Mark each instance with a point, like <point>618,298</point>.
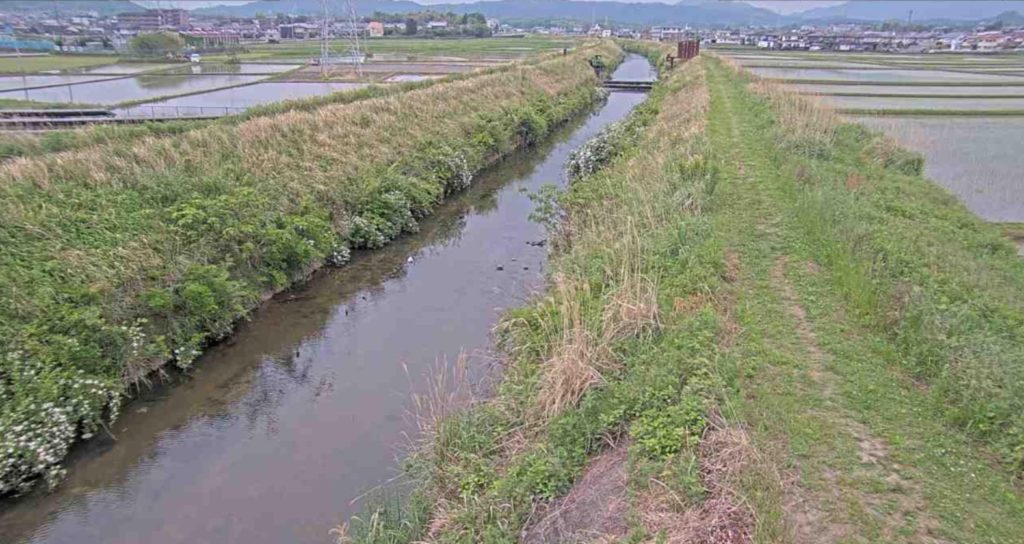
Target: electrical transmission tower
<point>351,39</point>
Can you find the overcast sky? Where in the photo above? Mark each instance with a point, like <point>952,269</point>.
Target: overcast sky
<point>781,6</point>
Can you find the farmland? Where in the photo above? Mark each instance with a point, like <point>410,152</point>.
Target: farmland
<point>779,298</point>
<point>962,112</point>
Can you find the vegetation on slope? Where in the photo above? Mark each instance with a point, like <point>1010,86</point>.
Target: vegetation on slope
<point>122,256</point>
<point>762,324</point>
<point>878,365</point>
<point>621,349</point>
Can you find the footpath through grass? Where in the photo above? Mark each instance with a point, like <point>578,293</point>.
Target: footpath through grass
<point>881,327</point>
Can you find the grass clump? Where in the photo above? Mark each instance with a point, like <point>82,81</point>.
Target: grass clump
<point>143,249</point>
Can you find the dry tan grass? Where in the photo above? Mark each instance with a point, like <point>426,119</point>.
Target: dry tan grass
<point>448,390</point>
<point>579,355</point>
<point>724,517</point>
<point>314,148</point>
<point>638,202</point>
<point>806,122</point>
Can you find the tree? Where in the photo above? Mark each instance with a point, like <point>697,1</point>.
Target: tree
<point>411,27</point>
<point>157,44</point>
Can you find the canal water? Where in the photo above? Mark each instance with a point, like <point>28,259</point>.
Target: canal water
<point>301,411</point>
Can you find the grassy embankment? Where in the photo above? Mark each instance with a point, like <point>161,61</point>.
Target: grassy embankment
<point>32,144</point>
<point>615,352</point>
<point>17,104</point>
<point>122,256</point>
<point>762,325</point>
<point>29,64</point>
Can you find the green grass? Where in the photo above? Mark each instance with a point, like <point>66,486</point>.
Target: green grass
<point>14,65</point>
<point>15,104</point>
<point>812,291</point>
<point>894,264</point>
<point>139,251</point>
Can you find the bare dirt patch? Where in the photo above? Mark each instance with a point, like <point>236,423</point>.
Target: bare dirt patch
<point>724,517</point>
<point>595,510</point>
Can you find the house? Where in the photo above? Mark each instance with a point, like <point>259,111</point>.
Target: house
<point>375,29</point>
<point>437,25</point>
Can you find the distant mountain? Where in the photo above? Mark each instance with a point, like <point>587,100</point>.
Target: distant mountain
<point>695,12</point>
<point>964,10</point>
<point>1011,18</point>
<point>69,7</point>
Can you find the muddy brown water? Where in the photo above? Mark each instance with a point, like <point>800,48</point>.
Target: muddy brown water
<point>303,409</point>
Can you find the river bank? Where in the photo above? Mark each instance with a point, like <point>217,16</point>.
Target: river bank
<point>761,324</point>
<point>307,400</point>
<point>131,254</point>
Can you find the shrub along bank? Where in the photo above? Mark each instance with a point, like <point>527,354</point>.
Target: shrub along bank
<point>122,256</point>
<point>621,346</point>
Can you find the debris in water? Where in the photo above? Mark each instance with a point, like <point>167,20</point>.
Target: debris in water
<point>409,260</point>
<point>538,243</point>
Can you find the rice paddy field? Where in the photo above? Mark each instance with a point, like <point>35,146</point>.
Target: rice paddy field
<point>278,72</point>
<point>964,113</point>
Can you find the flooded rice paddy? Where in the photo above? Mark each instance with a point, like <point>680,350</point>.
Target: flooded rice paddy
<point>824,88</point>
<point>978,159</point>
<point>17,83</point>
<point>142,87</point>
<point>302,410</point>
<point>911,103</point>
<point>889,75</point>
<point>258,94</point>
<point>974,156</point>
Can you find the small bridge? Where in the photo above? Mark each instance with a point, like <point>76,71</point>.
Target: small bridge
<point>639,86</point>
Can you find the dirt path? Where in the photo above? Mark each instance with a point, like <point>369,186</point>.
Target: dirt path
<point>848,470</point>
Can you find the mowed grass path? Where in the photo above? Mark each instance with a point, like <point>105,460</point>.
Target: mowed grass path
<point>858,449</point>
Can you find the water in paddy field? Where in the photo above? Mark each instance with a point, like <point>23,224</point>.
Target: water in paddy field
<point>302,410</point>
<point>884,75</point>
<point>254,95</point>
<point>978,159</point>
<point>113,91</point>
<point>953,92</point>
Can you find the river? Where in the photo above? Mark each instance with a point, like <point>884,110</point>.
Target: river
<point>279,428</point>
